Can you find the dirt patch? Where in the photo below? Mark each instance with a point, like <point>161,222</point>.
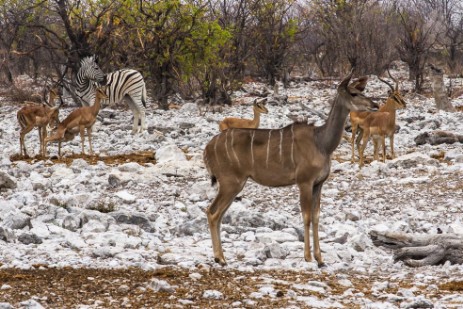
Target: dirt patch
<point>133,287</point>
<point>140,157</point>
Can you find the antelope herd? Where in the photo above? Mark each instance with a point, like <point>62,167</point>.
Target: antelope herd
<point>299,153</point>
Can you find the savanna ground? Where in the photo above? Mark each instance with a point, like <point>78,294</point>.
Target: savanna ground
<point>129,288</point>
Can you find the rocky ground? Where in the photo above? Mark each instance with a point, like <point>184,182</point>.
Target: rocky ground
<point>126,227</point>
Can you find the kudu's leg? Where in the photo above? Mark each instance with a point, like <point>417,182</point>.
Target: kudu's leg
<point>225,196</point>
<point>316,195</point>
<point>376,148</point>
<point>306,200</point>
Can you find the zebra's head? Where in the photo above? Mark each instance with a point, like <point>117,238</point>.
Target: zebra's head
<point>89,69</point>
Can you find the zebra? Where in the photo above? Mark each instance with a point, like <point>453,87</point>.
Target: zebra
<point>125,83</point>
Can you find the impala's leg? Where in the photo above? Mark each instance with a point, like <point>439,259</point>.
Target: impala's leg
<point>306,200</point>
<point>365,137</point>
<point>22,136</point>
<point>383,140</point>
<point>82,138</point>
<point>352,142</point>
<point>44,146</point>
<point>375,147</point>
<point>316,195</point>
<point>89,132</point>
<point>227,193</point>
<point>391,142</point>
<point>59,148</point>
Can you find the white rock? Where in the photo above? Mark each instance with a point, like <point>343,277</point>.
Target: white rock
<point>170,153</point>
<point>212,294</point>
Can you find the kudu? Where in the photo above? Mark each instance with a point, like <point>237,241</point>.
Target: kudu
<point>37,116</point>
<point>381,124</point>
<point>296,154</point>
<point>82,118</point>
<point>258,108</point>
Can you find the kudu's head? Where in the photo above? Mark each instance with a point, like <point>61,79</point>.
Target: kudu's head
<point>352,97</point>
<point>394,93</point>
<point>260,106</point>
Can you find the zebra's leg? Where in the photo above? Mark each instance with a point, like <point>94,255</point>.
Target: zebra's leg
<point>135,122</point>
<point>143,119</point>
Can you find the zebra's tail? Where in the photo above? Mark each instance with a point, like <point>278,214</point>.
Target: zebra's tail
<point>143,96</point>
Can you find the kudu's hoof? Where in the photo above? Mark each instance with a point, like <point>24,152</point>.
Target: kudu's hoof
<point>220,261</point>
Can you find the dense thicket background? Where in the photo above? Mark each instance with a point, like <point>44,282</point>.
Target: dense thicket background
<point>206,49</point>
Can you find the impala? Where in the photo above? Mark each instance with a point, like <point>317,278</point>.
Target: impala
<point>296,154</point>
<point>81,118</point>
<point>258,108</point>
<point>37,116</point>
<point>381,124</point>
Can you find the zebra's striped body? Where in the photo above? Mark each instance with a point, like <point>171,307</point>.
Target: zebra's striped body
<point>122,84</point>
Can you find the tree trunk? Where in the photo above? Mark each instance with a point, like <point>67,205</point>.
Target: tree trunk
<point>440,94</point>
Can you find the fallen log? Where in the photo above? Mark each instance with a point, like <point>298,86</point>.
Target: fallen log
<point>438,137</point>
<point>417,250</point>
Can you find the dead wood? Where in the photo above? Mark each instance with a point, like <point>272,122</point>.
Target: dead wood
<point>417,250</point>
<point>438,137</point>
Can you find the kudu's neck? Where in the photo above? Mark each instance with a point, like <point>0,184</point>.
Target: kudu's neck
<point>328,136</point>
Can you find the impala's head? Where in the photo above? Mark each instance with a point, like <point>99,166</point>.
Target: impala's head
<point>101,93</point>
<point>89,69</point>
<point>394,93</point>
<point>352,97</point>
<point>260,106</point>
<point>53,116</point>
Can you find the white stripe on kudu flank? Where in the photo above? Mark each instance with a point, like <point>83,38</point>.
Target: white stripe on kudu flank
<point>252,147</point>
<point>281,145</point>
<point>268,146</point>
<point>233,148</point>
<point>215,150</point>
<point>226,145</point>
<point>292,144</point>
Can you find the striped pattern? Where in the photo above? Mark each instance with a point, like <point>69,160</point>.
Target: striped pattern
<point>122,84</point>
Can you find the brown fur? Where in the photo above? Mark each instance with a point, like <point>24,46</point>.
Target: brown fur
<point>297,154</point>
<point>379,125</point>
<point>258,107</point>
<point>81,118</point>
<point>38,116</point>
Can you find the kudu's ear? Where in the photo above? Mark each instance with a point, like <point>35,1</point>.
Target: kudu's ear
<point>360,83</point>
<point>346,80</point>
